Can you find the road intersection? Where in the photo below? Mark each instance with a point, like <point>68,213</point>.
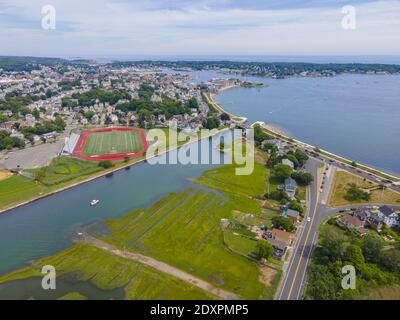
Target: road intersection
<point>295,269</point>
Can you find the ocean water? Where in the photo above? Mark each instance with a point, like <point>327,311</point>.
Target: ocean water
<point>355,116</point>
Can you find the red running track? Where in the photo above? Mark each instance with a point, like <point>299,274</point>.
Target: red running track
<point>78,151</point>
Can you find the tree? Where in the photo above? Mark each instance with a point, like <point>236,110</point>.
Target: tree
<point>40,174</point>
<point>303,178</point>
<point>301,156</point>
<point>277,195</point>
<point>211,123</point>
<point>390,260</point>
<point>354,255</point>
<point>291,157</point>
<point>59,123</point>
<point>264,250</point>
<point>372,246</point>
<point>354,193</point>
<point>283,224</point>
<point>225,117</point>
<point>354,164</point>
<point>88,115</point>
<point>260,135</point>
<point>294,205</point>
<point>273,159</point>
<point>282,172</point>
<point>106,164</point>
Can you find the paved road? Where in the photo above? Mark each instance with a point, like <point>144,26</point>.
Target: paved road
<point>37,156</point>
<point>163,267</point>
<point>365,175</point>
<point>296,269</point>
<point>295,276</point>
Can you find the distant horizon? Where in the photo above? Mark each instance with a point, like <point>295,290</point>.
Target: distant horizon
<point>306,58</point>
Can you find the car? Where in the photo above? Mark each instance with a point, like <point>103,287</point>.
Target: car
<point>308,219</point>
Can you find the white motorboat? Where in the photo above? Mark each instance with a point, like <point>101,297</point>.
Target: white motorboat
<point>94,202</point>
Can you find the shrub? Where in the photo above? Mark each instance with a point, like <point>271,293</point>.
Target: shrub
<point>106,164</point>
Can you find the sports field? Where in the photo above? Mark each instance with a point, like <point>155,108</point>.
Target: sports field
<point>112,142</point>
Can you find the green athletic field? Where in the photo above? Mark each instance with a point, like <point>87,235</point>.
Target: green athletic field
<point>99,143</point>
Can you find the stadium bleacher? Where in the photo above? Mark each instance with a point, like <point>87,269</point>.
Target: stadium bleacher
<point>70,144</point>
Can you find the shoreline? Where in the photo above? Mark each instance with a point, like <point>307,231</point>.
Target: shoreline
<point>280,133</point>
<point>361,166</point>
<point>216,105</point>
<point>103,174</point>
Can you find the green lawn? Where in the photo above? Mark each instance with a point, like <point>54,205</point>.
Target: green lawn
<point>112,142</point>
<point>184,230</point>
<point>107,272</point>
<point>239,243</point>
<point>64,169</point>
<point>18,189</point>
<point>225,179</point>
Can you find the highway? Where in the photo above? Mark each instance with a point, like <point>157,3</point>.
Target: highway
<point>295,270</point>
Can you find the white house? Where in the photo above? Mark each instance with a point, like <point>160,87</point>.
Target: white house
<point>288,163</point>
<point>389,216</point>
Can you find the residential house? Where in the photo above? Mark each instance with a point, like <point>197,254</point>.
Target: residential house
<point>376,222</point>
<point>389,216</point>
<point>290,187</point>
<point>280,240</point>
<point>352,222</point>
<point>288,163</point>
<point>370,217</point>
<point>293,216</point>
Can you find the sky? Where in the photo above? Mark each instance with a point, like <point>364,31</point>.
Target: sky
<point>111,28</point>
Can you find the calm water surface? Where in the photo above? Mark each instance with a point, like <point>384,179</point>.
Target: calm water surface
<point>356,116</point>
<point>47,226</point>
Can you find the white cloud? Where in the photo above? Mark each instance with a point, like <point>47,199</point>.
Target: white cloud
<point>101,27</point>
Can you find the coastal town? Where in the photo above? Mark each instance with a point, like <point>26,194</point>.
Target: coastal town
<point>63,124</point>
<point>44,105</point>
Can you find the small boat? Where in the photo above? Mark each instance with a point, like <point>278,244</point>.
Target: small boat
<point>94,202</point>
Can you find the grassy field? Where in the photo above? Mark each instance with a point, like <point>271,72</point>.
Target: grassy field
<point>343,179</point>
<point>225,179</point>
<point>18,189</point>
<point>112,142</point>
<point>107,272</point>
<point>63,169</point>
<point>385,293</point>
<point>184,230</point>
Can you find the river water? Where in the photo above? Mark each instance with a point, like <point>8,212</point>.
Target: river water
<point>47,226</point>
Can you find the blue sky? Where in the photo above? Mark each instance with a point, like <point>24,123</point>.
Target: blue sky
<point>93,28</point>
